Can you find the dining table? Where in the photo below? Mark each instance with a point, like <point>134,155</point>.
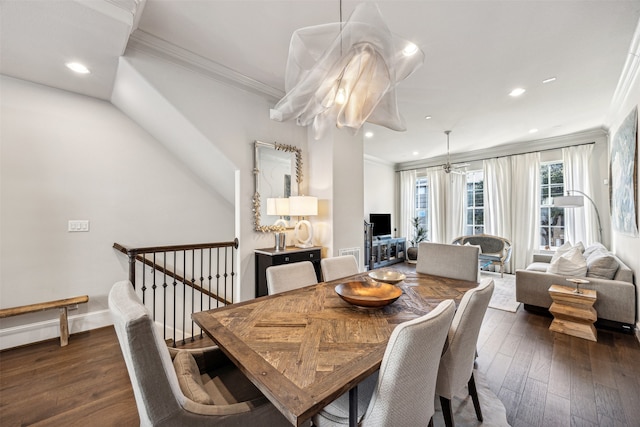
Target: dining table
<point>306,347</point>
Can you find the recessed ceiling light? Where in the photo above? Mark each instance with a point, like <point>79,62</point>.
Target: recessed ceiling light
<point>534,130</point>
<point>368,134</point>
<point>549,80</point>
<point>415,153</point>
<point>517,92</point>
<point>77,67</point>
<point>410,49</point>
<point>427,118</point>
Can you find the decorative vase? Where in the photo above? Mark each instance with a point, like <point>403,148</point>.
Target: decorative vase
<point>412,255</point>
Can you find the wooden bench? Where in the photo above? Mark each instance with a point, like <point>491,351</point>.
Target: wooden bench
<point>62,304</point>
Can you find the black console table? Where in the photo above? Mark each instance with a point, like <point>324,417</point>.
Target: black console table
<point>269,256</point>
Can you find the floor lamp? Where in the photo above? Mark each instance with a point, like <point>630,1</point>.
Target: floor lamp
<point>569,201</point>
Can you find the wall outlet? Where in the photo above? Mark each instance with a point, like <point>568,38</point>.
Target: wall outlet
<point>78,225</point>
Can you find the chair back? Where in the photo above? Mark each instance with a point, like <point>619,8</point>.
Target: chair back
<point>405,392</point>
<point>453,261</point>
<point>338,267</point>
<point>456,364</point>
<point>146,355</point>
<point>285,277</point>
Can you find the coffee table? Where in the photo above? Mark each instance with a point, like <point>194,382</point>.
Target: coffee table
<point>573,312</point>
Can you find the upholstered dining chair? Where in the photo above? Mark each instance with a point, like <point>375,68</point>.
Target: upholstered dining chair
<point>401,393</point>
<point>456,363</point>
<point>285,277</point>
<point>181,387</point>
<point>453,261</point>
<point>338,267</point>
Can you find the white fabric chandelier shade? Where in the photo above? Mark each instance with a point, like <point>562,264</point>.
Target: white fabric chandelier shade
<point>345,74</point>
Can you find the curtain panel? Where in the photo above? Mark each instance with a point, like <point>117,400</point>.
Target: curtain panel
<point>580,223</point>
<point>407,202</point>
<point>497,200</point>
<point>525,202</point>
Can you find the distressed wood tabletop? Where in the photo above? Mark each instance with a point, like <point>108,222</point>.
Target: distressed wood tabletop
<point>306,347</point>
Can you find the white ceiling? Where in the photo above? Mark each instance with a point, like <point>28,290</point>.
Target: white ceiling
<point>476,52</point>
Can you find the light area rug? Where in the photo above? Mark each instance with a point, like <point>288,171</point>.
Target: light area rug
<point>504,293</point>
<point>493,412</point>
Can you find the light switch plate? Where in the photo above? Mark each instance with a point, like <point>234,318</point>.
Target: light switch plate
<point>78,225</point>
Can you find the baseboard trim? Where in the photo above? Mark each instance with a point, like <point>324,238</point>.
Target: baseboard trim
<point>48,329</point>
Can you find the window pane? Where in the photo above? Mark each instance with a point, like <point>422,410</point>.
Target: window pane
<point>544,236</point>
<point>470,198</point>
<point>556,190</point>
<point>479,199</point>
<point>479,217</point>
<point>544,174</point>
<point>555,173</point>
<point>469,216</point>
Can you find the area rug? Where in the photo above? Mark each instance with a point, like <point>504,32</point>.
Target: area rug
<point>493,411</point>
<point>504,294</point>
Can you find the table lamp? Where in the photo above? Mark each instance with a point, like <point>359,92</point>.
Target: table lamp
<point>303,206</point>
<point>278,206</point>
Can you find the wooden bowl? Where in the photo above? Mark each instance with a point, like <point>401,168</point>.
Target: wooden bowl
<point>387,276</point>
<point>364,294</point>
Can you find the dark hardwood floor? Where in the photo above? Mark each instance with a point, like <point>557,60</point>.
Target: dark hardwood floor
<point>543,378</point>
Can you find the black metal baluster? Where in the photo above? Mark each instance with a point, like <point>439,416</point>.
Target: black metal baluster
<point>210,277</point>
<point>225,277</point>
<point>175,284</point>
<point>201,282</point>
<point>144,283</point>
<point>164,304</point>
<point>218,277</point>
<point>184,296</point>
<point>154,286</point>
<point>193,290</point>
<point>233,273</point>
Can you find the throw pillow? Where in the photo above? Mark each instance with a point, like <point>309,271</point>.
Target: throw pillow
<point>592,248</point>
<point>189,378</point>
<point>570,263</point>
<point>580,246</point>
<point>566,247</point>
<point>602,265</point>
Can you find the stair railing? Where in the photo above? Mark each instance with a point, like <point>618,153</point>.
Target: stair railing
<point>179,280</point>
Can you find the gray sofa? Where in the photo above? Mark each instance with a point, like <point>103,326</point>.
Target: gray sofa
<point>616,301</point>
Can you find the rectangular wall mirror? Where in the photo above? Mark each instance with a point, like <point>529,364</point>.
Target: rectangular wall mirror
<point>278,172</point>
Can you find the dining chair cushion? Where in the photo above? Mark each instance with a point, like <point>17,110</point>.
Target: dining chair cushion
<point>189,378</point>
<point>403,393</point>
<point>286,277</point>
<point>453,261</point>
<point>338,267</point>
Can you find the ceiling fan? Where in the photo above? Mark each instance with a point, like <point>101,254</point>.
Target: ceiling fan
<point>448,167</point>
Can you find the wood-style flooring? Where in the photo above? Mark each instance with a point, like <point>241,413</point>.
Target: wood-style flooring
<point>543,378</point>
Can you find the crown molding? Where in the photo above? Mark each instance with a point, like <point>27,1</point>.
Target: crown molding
<point>511,149</point>
<point>147,43</point>
<point>372,159</point>
<point>629,74</point>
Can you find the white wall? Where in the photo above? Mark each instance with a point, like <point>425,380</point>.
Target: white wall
<point>66,156</point>
<point>380,190</point>
<point>628,247</point>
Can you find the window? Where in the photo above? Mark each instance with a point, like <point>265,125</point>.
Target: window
<point>551,218</point>
<point>475,203</point>
<point>422,203</point>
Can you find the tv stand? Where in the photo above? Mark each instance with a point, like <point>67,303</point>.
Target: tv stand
<point>386,251</point>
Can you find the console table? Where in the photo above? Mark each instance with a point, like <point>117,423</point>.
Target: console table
<point>267,257</point>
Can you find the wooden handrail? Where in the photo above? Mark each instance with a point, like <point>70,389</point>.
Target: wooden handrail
<point>14,311</point>
<point>177,277</point>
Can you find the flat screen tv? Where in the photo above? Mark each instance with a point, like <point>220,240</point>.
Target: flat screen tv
<point>381,224</point>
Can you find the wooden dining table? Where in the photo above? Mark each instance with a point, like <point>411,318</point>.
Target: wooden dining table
<point>304,348</point>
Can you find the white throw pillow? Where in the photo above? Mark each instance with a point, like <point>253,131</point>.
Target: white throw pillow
<point>580,246</point>
<point>570,263</point>
<point>561,250</point>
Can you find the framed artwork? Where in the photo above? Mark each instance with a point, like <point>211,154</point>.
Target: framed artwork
<point>623,172</point>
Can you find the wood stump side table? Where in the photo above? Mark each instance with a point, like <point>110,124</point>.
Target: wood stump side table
<point>573,313</point>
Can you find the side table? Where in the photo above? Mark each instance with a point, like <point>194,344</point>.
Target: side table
<point>573,313</point>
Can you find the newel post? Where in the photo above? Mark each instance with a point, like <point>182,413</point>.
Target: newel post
<point>132,268</point>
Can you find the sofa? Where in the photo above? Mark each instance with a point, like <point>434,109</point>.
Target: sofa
<point>606,273</point>
<point>493,249</point>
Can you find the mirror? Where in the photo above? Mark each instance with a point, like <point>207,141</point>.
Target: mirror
<point>278,172</point>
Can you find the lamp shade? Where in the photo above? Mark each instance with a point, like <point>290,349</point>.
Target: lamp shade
<point>303,205</point>
<point>278,206</point>
<point>568,201</point>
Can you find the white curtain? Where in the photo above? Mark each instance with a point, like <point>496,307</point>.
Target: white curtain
<point>437,205</point>
<point>580,223</point>
<point>407,202</point>
<point>525,202</point>
<point>497,200</point>
<point>456,201</point>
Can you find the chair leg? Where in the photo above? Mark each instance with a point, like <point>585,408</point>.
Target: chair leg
<point>474,396</point>
<point>446,412</point>
<point>430,422</point>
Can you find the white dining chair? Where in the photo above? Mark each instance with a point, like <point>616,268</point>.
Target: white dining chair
<point>456,363</point>
<point>338,267</point>
<point>402,393</point>
<point>285,277</point>
<point>453,261</point>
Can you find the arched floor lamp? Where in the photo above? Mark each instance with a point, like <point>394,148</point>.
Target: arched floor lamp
<point>569,201</point>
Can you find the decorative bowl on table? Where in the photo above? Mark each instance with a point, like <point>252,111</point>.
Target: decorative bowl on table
<point>368,294</point>
<point>387,276</point>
